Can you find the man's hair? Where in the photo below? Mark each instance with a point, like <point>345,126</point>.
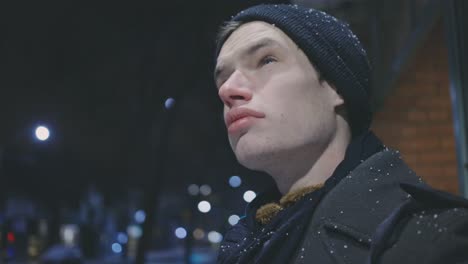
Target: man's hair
<point>226,30</point>
<point>229,27</point>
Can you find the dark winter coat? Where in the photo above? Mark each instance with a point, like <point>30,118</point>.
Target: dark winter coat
<point>369,218</point>
<point>343,224</point>
<point>382,213</point>
<point>277,241</point>
<point>431,227</point>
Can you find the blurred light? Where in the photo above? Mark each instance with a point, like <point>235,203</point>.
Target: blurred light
<point>205,190</point>
<point>180,233</point>
<point>233,219</point>
<point>193,189</point>
<point>199,257</point>
<point>43,228</point>
<point>134,231</point>
<point>249,196</point>
<point>204,206</point>
<point>10,237</point>
<point>116,248</point>
<point>215,237</point>
<point>122,238</point>
<point>11,252</point>
<point>69,234</point>
<point>235,181</point>
<point>169,103</point>
<point>42,133</point>
<point>140,216</point>
<point>198,234</point>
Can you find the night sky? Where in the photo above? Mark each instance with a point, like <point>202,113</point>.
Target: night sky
<point>97,76</point>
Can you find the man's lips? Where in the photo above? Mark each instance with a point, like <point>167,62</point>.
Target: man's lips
<point>236,115</point>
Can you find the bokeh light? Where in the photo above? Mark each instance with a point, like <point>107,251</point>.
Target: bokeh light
<point>69,234</point>
<point>249,196</point>
<point>198,233</point>
<point>122,238</point>
<point>235,181</point>
<point>42,133</point>
<point>116,248</point>
<point>169,103</point>
<point>204,206</point>
<point>193,189</point>
<point>140,216</point>
<point>233,219</point>
<point>180,232</point>
<point>134,231</point>
<point>215,237</point>
<point>205,190</point>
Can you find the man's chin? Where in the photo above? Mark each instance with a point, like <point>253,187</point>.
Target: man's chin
<point>250,164</point>
<point>250,156</point>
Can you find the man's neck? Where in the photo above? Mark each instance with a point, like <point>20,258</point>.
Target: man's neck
<point>306,168</point>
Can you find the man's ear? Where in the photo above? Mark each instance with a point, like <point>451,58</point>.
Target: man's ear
<point>336,99</point>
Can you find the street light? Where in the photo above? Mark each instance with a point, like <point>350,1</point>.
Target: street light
<point>42,133</point>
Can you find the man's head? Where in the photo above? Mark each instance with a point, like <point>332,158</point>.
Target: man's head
<point>297,74</point>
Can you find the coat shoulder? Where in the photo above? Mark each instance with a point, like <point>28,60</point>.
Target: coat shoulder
<point>430,228</point>
<point>432,236</point>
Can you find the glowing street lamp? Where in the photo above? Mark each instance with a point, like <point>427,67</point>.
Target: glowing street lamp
<point>42,133</point>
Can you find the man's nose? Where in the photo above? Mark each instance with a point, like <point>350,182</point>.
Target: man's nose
<point>236,90</point>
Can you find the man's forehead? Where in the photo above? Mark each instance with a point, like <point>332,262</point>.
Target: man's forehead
<point>249,35</point>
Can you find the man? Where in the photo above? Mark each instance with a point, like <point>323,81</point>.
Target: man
<point>295,88</point>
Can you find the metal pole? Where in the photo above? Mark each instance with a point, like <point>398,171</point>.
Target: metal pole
<point>153,188</point>
<point>457,39</point>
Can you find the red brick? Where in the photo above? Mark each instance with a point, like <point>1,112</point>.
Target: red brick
<point>443,86</point>
<point>400,102</point>
<point>388,116</point>
<point>410,131</point>
<point>448,143</point>
<point>435,103</point>
<point>439,116</point>
<point>417,116</point>
<point>422,144</point>
<point>411,158</point>
<point>417,88</point>
<point>451,170</point>
<point>429,172</point>
<point>438,157</point>
<point>442,129</point>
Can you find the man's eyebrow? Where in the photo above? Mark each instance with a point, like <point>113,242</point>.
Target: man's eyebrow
<point>262,43</point>
<point>249,51</point>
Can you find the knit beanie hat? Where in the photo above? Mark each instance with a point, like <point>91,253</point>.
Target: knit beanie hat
<point>330,46</point>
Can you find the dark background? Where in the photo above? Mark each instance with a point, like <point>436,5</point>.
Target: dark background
<point>97,76</point>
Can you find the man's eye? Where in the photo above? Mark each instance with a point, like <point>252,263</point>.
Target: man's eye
<point>267,60</point>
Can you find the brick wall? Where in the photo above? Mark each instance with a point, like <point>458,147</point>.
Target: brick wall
<point>416,117</point>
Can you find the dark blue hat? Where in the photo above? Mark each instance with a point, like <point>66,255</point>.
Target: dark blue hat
<point>331,47</point>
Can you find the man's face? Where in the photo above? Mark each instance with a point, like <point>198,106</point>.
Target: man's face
<point>274,103</point>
